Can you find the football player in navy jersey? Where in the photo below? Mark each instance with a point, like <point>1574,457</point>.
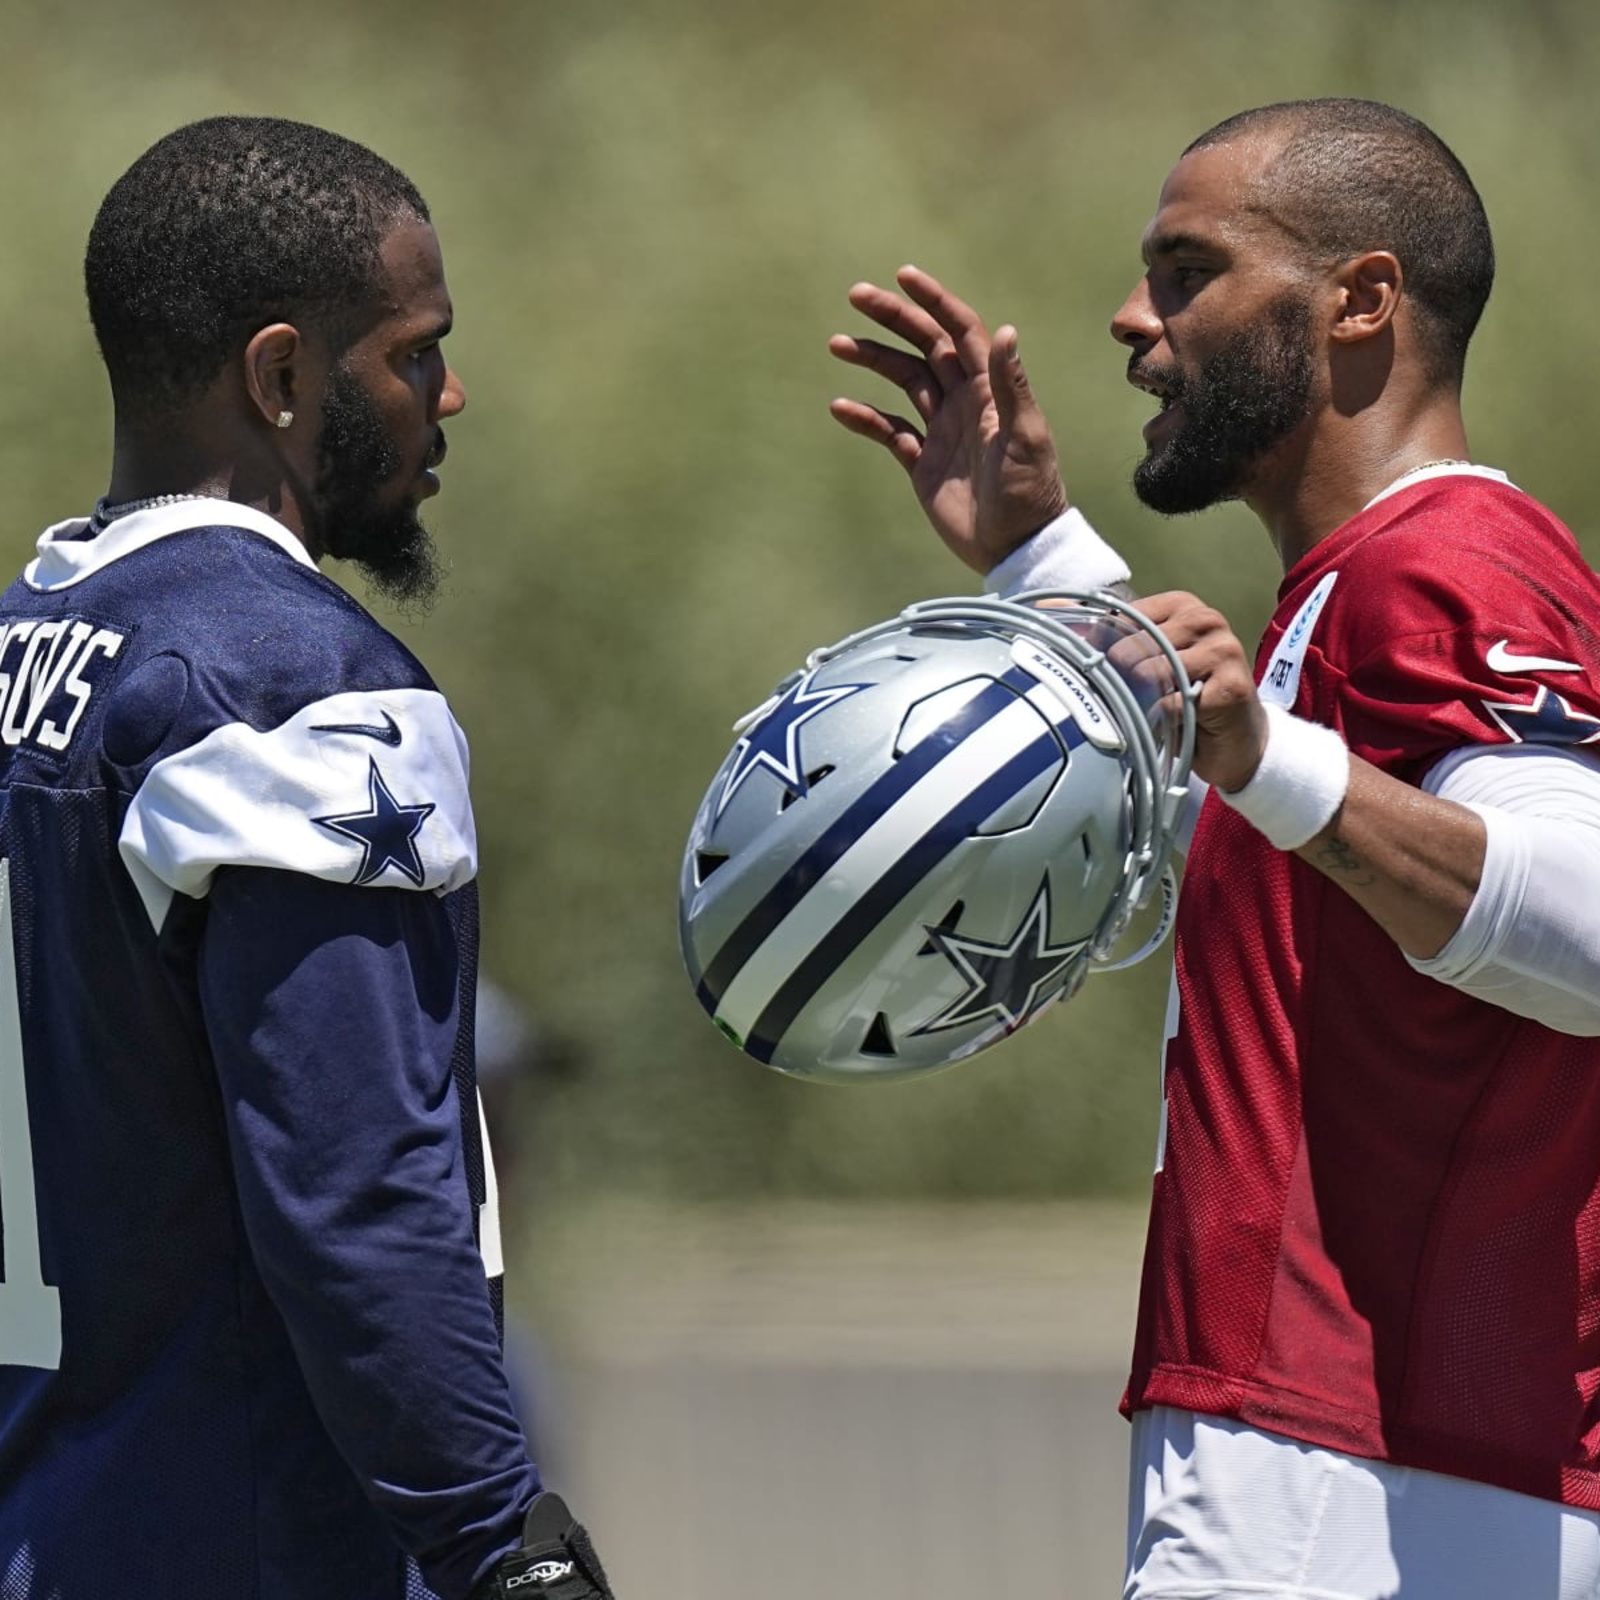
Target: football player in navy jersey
<point>249,1322</point>
<point>1367,1360</point>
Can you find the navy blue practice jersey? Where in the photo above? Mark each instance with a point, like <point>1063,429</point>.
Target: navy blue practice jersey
<point>248,1345</point>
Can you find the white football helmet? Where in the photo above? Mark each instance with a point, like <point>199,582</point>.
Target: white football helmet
<point>935,829</point>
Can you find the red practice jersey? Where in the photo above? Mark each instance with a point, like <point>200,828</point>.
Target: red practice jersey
<point>1377,1226</point>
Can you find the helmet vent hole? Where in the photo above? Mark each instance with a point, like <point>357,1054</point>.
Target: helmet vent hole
<point>813,778</point>
<point>706,862</point>
<point>1087,851</point>
<point>946,924</point>
<point>879,1041</point>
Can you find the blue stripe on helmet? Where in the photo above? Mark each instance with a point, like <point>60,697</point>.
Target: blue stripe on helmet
<point>925,853</point>
<point>809,869</point>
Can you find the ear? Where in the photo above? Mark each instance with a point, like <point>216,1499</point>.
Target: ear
<point>1368,288</point>
<point>275,371</point>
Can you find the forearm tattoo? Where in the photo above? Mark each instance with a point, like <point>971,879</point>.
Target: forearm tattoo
<point>1337,858</point>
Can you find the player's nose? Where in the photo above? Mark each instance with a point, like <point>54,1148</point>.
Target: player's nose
<point>1136,323</point>
<point>453,397</point>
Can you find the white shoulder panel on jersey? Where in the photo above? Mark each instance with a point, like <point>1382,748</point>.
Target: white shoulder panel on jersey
<point>360,788</point>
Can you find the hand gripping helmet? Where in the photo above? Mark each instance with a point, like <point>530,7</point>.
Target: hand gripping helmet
<point>934,830</point>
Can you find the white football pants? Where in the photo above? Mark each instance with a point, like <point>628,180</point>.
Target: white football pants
<point>1219,1511</point>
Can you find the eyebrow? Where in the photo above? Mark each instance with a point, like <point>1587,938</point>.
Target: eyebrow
<point>431,333</point>
<point>1159,246</point>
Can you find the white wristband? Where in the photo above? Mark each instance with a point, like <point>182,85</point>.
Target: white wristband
<point>1064,554</point>
<point>1300,783</point>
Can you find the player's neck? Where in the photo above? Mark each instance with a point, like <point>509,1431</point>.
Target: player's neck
<point>146,466</point>
<point>142,470</point>
<point>1340,469</point>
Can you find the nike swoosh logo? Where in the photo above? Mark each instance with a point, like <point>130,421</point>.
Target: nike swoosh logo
<point>389,733</point>
<point>1500,659</point>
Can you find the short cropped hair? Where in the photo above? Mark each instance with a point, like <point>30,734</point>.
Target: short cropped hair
<point>1356,175</point>
<point>223,227</point>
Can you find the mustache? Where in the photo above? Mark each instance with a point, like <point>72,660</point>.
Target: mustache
<point>1169,380</point>
<point>438,451</point>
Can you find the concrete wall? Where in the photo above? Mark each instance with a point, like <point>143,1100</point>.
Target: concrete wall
<point>903,1403</point>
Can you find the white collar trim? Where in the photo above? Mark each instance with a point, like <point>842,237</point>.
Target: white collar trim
<point>66,558</point>
<point>1440,469</point>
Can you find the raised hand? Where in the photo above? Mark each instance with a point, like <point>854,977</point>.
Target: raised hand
<point>983,464</point>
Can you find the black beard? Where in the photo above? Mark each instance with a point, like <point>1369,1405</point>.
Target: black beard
<point>1249,396</point>
<point>356,457</point>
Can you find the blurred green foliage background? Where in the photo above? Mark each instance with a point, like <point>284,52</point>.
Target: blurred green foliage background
<point>651,213</point>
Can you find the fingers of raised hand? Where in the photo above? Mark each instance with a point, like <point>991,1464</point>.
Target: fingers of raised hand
<point>950,313</point>
<point>898,316</point>
<point>896,434</point>
<point>1013,395</point>
<point>898,366</point>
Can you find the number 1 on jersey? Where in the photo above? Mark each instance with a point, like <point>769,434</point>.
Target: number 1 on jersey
<point>30,1308</point>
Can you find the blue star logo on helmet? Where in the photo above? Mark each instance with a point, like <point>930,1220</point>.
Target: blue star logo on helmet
<point>1004,980</point>
<point>773,743</point>
<point>977,849</point>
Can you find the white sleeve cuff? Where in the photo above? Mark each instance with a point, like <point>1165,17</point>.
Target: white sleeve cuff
<point>1064,554</point>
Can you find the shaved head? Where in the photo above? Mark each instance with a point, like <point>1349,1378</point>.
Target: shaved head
<point>1354,176</point>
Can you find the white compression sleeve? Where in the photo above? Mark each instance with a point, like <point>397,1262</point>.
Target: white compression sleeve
<point>1530,941</point>
<point>1064,554</point>
<point>1069,554</point>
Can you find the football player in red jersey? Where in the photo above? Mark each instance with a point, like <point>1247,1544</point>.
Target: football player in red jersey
<point>1368,1352</point>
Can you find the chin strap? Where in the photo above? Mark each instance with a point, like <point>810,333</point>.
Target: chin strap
<point>1169,912</point>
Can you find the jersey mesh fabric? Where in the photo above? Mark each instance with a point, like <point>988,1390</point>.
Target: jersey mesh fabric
<point>1375,1228</point>
<point>266,1376</point>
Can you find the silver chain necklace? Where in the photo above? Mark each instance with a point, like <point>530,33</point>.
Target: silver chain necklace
<point>1428,466</point>
<point>105,512</point>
